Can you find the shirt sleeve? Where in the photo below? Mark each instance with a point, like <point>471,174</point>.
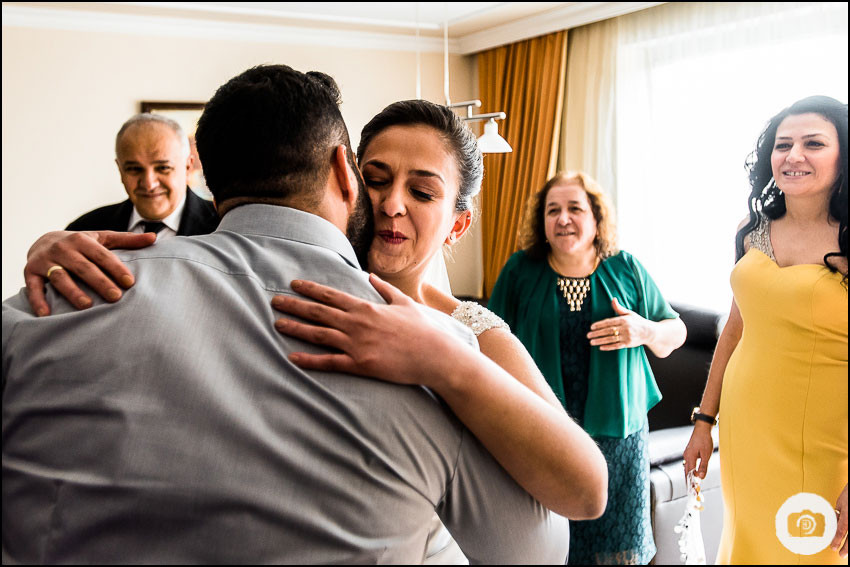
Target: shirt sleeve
<point>494,520</point>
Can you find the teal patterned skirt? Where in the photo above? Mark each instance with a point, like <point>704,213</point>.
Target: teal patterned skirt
<point>623,535</point>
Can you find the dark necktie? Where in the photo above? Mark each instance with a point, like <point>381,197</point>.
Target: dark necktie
<point>154,227</point>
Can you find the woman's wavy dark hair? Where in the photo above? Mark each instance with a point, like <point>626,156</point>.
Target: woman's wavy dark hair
<point>766,198</point>
<point>460,140</point>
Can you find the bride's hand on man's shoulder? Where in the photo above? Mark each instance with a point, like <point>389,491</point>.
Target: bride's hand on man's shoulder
<point>394,342</point>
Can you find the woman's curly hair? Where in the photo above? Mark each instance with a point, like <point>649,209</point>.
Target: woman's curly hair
<point>767,199</point>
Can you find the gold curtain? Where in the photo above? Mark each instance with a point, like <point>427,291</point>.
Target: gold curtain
<point>526,81</point>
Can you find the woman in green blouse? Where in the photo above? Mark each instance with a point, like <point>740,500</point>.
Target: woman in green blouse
<point>585,312</point>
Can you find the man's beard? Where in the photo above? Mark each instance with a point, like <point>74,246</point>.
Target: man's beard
<point>361,226</point>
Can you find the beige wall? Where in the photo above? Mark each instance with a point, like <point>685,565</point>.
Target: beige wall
<point>65,94</point>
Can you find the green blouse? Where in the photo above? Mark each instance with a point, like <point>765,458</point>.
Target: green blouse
<point>621,387</point>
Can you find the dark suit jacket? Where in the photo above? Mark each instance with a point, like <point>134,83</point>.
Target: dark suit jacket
<point>199,217</point>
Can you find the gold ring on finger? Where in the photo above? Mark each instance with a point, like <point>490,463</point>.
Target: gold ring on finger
<point>52,269</point>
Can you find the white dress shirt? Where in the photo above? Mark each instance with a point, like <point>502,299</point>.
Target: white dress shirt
<point>171,222</point>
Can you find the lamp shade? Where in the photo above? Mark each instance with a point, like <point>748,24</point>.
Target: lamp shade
<point>490,142</point>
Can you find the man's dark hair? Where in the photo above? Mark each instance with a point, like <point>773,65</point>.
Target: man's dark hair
<point>268,134</point>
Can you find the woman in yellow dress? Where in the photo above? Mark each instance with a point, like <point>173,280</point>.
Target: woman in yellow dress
<point>778,380</point>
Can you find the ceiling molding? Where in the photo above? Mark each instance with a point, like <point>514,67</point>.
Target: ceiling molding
<point>574,15</point>
<point>570,16</point>
<point>78,20</point>
<point>245,10</point>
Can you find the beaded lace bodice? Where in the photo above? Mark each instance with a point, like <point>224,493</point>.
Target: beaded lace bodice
<point>478,318</point>
<point>759,238</point>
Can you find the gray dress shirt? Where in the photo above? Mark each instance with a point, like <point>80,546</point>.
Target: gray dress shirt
<point>170,427</point>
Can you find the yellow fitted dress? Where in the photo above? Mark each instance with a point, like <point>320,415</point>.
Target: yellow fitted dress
<point>783,407</point>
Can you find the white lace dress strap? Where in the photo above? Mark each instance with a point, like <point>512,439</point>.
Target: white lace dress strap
<point>478,318</point>
<point>759,238</point>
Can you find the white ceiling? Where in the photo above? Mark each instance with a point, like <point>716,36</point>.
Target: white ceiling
<point>462,17</point>
<point>472,26</point>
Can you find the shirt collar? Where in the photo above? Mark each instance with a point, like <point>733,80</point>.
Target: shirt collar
<point>172,221</point>
<point>291,224</point>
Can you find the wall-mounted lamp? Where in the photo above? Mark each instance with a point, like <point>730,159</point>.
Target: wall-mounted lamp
<point>490,142</point>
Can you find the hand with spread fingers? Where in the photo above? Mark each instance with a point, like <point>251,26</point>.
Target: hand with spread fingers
<point>626,330</point>
<point>57,255</point>
<point>361,330</point>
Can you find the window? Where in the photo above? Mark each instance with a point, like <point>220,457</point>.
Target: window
<point>696,83</point>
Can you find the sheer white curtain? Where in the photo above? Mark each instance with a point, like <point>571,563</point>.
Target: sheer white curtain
<point>588,137</point>
<point>696,83</point>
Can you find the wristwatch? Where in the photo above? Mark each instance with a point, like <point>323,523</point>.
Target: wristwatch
<point>696,415</point>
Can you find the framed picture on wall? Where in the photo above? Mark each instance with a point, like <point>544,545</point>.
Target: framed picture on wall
<point>186,114</point>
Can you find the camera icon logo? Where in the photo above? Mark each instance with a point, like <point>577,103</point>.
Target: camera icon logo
<point>806,523</point>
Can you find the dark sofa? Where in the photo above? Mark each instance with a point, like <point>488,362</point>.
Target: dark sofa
<point>681,378</point>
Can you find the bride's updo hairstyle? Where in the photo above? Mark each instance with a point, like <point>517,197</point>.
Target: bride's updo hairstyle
<point>459,139</point>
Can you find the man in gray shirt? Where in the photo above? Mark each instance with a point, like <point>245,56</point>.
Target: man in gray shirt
<point>171,427</point>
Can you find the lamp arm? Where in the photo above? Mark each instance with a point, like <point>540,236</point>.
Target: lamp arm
<point>493,115</point>
<point>476,103</point>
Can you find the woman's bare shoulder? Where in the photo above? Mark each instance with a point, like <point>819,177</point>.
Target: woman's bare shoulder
<point>741,225</point>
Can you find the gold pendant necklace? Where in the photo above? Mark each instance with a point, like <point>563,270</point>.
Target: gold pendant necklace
<point>574,289</point>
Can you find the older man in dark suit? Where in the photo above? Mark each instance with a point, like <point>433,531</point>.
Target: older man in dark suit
<point>153,157</point>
